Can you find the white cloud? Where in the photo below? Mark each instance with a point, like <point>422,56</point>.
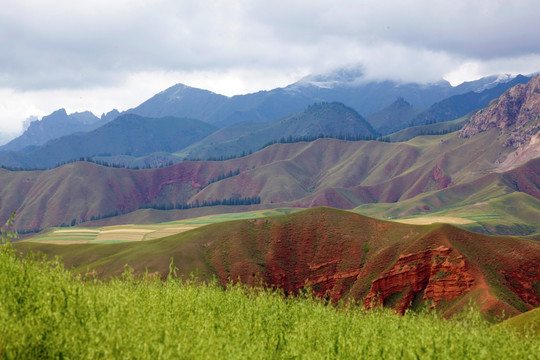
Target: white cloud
<point>102,54</point>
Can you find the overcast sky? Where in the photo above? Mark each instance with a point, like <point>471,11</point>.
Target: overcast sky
<point>102,54</point>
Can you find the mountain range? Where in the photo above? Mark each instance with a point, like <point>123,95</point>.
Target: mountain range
<point>346,86</point>
<point>471,158</point>
<point>128,134</point>
<point>41,146</point>
<point>425,175</point>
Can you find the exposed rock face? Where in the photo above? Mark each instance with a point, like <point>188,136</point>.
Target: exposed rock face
<point>516,113</point>
<point>441,273</point>
<point>521,155</point>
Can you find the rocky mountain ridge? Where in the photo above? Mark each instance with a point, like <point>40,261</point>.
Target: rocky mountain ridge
<point>516,113</point>
<point>55,125</point>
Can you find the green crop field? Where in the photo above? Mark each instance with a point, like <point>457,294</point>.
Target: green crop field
<point>48,312</point>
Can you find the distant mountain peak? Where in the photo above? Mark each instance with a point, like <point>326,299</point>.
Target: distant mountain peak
<point>400,103</point>
<point>179,90</point>
<point>342,77</point>
<point>393,117</point>
<point>58,123</point>
<point>331,118</point>
<point>175,87</point>
<point>180,101</point>
<point>60,111</point>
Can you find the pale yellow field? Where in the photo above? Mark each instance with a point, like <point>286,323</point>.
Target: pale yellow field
<point>110,234</point>
<point>427,220</point>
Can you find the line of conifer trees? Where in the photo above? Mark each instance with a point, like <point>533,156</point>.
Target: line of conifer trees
<point>308,138</point>
<point>232,201</point>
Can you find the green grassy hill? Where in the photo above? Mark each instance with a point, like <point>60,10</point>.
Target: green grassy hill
<point>527,324</point>
<point>321,119</point>
<point>440,128</point>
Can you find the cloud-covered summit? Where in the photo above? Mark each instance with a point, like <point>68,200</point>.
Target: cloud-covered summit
<point>115,53</point>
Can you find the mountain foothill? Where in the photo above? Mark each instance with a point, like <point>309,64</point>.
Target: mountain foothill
<point>340,149</point>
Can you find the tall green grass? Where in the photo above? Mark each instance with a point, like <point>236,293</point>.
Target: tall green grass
<point>47,312</point>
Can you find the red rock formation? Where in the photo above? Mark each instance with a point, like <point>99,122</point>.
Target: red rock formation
<point>441,273</point>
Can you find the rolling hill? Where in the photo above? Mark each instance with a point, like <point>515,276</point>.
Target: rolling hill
<point>321,119</point>
<point>424,175</point>
<point>339,254</point>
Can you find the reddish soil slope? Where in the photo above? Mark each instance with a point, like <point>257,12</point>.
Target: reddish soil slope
<point>441,274</point>
<point>340,254</point>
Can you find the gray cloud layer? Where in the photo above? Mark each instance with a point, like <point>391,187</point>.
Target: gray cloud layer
<point>73,44</point>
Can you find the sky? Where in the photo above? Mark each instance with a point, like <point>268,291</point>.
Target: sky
<point>102,54</point>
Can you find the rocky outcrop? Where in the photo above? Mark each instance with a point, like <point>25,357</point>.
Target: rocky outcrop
<point>516,113</point>
<point>441,178</point>
<point>521,155</point>
<point>441,273</point>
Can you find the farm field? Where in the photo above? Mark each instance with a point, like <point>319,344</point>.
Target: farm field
<point>427,220</point>
<point>142,232</point>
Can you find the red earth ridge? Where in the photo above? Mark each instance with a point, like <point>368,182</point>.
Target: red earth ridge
<point>441,273</point>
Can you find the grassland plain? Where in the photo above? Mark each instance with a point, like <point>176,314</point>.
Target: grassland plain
<point>47,312</point>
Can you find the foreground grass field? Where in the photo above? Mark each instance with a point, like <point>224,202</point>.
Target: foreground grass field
<point>47,312</point>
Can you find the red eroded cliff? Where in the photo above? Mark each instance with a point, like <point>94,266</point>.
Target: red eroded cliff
<point>441,273</point>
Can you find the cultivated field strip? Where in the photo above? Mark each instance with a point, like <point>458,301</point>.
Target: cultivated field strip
<point>132,232</point>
